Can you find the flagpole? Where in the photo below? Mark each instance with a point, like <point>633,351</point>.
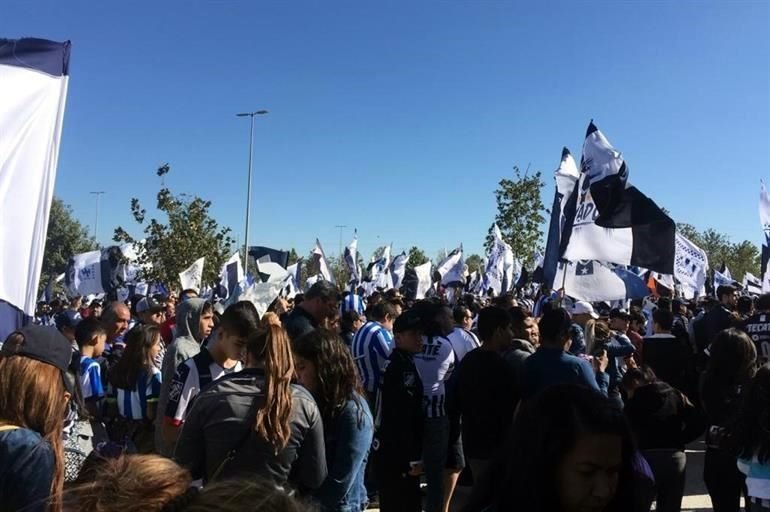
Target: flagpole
<point>248,187</point>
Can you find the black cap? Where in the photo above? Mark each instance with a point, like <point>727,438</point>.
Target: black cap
<point>620,313</point>
<point>149,304</point>
<point>45,344</point>
<point>68,318</point>
<point>408,321</point>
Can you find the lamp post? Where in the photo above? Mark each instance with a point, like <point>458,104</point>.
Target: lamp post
<point>96,222</point>
<point>248,187</point>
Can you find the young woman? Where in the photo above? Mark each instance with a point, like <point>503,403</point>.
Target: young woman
<point>570,451</point>
<point>731,366</point>
<point>751,439</point>
<point>256,422</point>
<point>135,384</point>
<point>664,421</point>
<point>33,404</point>
<point>325,367</point>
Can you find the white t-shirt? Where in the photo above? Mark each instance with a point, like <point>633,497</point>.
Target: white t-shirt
<point>463,342</point>
<point>435,365</point>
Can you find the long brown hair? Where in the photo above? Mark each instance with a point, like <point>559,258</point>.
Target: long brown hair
<point>271,346</point>
<point>233,495</point>
<point>32,397</point>
<point>136,356</point>
<point>130,483</point>
<point>336,372</point>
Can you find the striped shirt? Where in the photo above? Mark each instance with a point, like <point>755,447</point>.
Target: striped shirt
<point>190,378</point>
<point>372,346</point>
<point>90,378</point>
<point>435,365</point>
<point>352,302</point>
<point>132,403</point>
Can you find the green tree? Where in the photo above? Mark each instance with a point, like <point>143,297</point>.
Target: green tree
<point>416,257</point>
<point>189,233</point>
<point>66,237</point>
<point>520,214</point>
<point>474,262</point>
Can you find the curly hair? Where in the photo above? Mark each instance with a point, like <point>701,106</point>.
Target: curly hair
<point>338,379</point>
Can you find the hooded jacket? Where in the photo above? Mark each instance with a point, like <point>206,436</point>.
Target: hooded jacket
<point>187,344</point>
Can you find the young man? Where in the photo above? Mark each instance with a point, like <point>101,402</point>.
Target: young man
<point>91,338</point>
<point>718,319</point>
<point>397,446</point>
<point>581,313</point>
<point>372,346</point>
<point>220,358</point>
<point>552,363</point>
<point>66,322</point>
<point>195,320</point>
<point>667,355</point>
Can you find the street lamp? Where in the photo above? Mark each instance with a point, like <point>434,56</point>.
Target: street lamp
<point>248,191</point>
<point>96,222</point>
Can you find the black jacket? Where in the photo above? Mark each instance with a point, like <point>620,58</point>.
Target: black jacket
<point>221,419</point>
<point>399,422</point>
<point>662,419</point>
<point>715,321</point>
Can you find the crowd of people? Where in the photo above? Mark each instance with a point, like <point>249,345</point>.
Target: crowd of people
<point>335,402</point>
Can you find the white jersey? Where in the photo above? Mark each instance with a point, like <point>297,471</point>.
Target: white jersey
<point>435,365</point>
<point>462,342</point>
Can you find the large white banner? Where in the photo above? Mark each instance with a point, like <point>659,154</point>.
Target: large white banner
<point>33,90</point>
<point>691,266</point>
<point>192,278</point>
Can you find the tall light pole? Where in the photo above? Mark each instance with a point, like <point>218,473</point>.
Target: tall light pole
<point>248,188</point>
<point>96,222</point>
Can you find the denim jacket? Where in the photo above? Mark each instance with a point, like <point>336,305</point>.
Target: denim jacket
<point>348,439</point>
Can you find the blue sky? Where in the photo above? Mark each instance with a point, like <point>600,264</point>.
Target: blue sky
<point>399,118</point>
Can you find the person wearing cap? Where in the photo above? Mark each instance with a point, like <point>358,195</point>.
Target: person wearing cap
<point>397,446</point>
<point>321,302</point>
<point>581,313</point>
<point>67,321</point>
<point>719,318</point>
<point>552,363</point>
<point>33,362</point>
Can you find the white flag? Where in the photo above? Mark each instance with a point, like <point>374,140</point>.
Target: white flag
<point>351,259</point>
<point>33,88</point>
<point>192,278</point>
<point>84,274</point>
<point>231,274</point>
<point>262,294</point>
<point>384,279</point>
<point>424,279</point>
<point>592,281</point>
<point>752,284</point>
<point>452,269</point>
<point>398,270</point>
<point>691,266</point>
<point>318,252</point>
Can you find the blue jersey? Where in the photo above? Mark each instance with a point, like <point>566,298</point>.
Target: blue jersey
<point>352,302</point>
<point>371,348</point>
<point>90,378</point>
<point>132,403</point>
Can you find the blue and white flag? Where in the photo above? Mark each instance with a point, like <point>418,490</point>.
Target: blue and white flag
<point>752,284</point>
<point>381,269</point>
<point>351,260</point>
<point>295,271</point>
<point>566,177</point>
<point>318,253</point>
<point>452,269</point>
<point>691,267</point>
<point>609,220</point>
<point>591,281</point>
<point>34,74</point>
<point>722,278</point>
<point>192,277</point>
<point>231,274</point>
<point>500,273</point>
<point>398,270</point>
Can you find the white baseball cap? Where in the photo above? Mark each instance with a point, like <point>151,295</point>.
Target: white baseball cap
<point>584,308</point>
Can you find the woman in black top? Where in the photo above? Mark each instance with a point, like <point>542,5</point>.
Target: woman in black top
<point>664,421</point>
<point>731,366</point>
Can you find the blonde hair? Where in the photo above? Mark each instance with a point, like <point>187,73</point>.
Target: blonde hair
<point>130,483</point>
<point>32,396</point>
<point>269,319</point>
<point>271,346</point>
